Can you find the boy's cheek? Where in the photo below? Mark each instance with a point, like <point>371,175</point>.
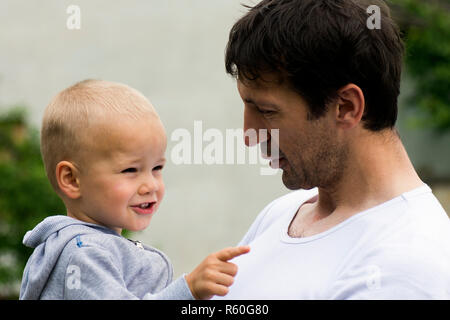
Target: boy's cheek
<point>121,191</point>
<point>115,192</point>
<point>161,192</point>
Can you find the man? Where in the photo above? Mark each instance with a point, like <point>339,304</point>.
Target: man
<point>364,226</point>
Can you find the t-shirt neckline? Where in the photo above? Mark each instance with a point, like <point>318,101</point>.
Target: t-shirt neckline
<point>286,223</point>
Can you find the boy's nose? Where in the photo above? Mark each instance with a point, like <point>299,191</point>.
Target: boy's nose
<point>150,185</point>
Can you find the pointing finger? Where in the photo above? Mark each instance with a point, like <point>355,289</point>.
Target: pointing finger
<point>230,253</point>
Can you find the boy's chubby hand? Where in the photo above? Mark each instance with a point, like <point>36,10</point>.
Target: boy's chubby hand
<point>215,274</point>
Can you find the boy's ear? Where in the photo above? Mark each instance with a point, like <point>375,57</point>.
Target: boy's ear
<point>67,176</point>
<point>350,106</point>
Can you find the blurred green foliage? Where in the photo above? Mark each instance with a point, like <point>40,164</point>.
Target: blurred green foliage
<point>26,196</point>
<point>426,26</point>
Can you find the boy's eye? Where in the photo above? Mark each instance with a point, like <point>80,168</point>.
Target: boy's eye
<point>158,168</point>
<point>128,170</point>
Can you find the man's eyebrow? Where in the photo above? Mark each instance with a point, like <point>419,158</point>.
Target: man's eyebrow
<point>262,103</point>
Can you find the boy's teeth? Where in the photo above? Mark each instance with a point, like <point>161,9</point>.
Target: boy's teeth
<point>144,205</point>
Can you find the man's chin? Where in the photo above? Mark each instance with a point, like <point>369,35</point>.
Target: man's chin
<point>293,182</point>
<point>290,182</point>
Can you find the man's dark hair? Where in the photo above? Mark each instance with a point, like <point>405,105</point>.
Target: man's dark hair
<point>319,46</point>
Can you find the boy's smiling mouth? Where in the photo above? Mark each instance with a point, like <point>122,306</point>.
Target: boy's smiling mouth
<point>144,208</point>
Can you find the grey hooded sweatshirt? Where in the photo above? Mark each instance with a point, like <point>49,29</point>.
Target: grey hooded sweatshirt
<point>73,259</point>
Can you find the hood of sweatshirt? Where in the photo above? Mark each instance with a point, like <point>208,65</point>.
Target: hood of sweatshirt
<point>48,242</point>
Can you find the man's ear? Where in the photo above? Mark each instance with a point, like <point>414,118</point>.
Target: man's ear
<point>67,176</point>
<point>350,106</point>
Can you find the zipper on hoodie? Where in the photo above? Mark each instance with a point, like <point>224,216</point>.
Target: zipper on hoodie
<point>137,243</point>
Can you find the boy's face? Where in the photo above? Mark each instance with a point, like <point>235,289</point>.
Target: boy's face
<point>121,181</point>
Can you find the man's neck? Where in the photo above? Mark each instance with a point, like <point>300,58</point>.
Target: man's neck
<point>379,169</point>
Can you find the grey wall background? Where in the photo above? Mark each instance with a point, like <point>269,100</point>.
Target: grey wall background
<point>172,51</point>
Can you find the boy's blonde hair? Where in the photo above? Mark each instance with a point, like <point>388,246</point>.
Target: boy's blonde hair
<point>72,111</point>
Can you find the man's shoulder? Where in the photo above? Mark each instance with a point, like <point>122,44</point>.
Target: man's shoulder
<point>395,270</point>
<point>406,245</point>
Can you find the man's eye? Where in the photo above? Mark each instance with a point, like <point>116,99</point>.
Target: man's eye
<point>266,112</point>
<point>158,168</point>
<point>129,170</point>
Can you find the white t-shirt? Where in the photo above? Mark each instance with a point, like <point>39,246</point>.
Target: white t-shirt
<point>399,249</point>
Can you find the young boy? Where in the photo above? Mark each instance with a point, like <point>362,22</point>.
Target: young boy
<point>103,147</point>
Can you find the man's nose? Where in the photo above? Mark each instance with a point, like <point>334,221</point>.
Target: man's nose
<point>253,127</point>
